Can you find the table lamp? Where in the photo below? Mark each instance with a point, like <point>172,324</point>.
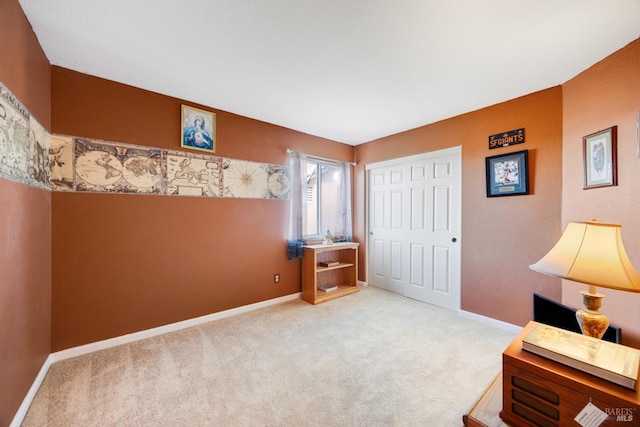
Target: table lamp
<point>591,253</point>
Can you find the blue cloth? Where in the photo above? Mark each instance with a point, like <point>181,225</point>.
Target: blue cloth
<point>294,249</point>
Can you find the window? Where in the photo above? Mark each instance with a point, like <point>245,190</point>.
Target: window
<point>320,200</point>
<point>323,181</point>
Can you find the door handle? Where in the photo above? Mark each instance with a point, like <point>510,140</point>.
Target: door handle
<point>454,240</point>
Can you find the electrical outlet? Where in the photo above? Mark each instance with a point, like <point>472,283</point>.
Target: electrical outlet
<point>276,278</point>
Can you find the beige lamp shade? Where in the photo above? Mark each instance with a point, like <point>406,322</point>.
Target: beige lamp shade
<point>591,253</point>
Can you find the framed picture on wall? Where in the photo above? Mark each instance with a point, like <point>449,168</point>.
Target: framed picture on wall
<point>507,174</point>
<point>198,129</point>
<point>600,157</point>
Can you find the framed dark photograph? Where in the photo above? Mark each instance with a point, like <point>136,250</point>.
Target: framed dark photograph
<point>600,157</point>
<point>507,174</point>
<point>198,129</point>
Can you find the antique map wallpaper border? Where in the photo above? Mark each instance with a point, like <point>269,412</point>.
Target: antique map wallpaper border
<point>32,156</point>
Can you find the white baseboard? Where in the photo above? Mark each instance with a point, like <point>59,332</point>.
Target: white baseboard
<point>26,402</point>
<point>136,336</point>
<point>499,324</point>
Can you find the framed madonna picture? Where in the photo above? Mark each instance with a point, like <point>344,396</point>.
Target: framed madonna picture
<point>198,129</point>
<point>600,156</point>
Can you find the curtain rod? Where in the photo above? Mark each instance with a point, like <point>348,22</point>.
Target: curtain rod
<point>289,150</point>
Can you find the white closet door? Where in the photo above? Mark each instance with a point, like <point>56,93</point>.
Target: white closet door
<point>414,227</point>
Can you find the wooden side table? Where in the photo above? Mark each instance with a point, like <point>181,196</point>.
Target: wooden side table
<point>540,392</point>
<point>485,412</point>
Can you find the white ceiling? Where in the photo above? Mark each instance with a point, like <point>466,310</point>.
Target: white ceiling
<point>347,70</point>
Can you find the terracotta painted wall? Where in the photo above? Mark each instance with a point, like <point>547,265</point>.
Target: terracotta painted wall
<point>25,226</point>
<point>500,236</point>
<point>124,263</point>
<point>605,95</point>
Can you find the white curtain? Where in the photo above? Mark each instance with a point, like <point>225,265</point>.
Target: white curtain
<point>344,226</point>
<point>297,208</point>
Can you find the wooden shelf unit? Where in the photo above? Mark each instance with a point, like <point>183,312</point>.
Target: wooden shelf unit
<point>344,275</point>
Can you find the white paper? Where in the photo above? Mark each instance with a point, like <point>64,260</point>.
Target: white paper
<point>591,416</point>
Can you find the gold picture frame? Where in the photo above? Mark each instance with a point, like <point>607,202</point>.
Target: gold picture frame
<point>198,129</point>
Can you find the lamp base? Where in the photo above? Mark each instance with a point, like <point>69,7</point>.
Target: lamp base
<point>592,322</point>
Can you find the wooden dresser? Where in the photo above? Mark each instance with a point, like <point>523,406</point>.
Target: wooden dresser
<point>540,392</point>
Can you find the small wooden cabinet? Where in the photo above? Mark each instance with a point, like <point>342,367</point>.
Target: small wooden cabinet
<point>335,264</point>
<point>540,392</point>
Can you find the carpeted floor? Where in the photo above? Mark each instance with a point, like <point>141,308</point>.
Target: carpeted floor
<point>369,359</point>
